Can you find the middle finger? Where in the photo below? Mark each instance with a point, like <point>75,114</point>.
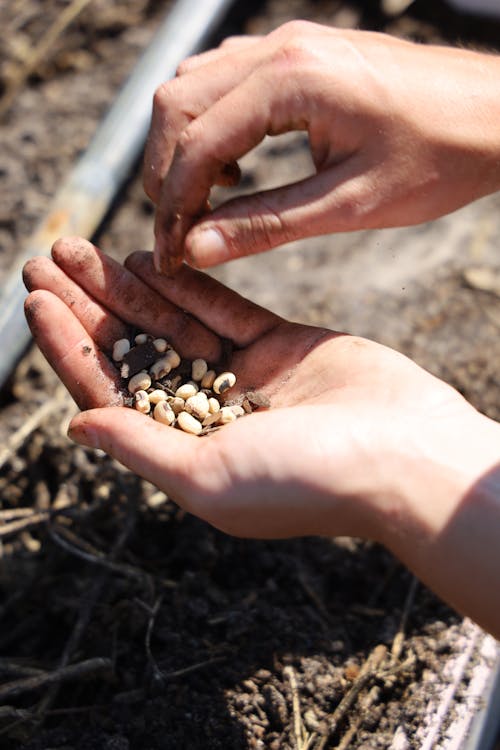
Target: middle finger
<point>130,299</point>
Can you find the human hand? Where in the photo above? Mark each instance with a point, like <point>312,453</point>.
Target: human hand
<point>359,440</point>
<point>399,133</point>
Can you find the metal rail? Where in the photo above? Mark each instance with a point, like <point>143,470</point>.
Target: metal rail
<point>85,196</point>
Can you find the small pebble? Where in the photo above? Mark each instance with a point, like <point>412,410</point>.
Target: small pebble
<point>140,357</point>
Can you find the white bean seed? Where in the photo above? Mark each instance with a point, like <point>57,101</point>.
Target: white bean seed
<point>213,406</point>
<point>226,415</point>
<point>120,349</point>
<point>157,395</point>
<point>198,369</point>
<point>160,368</point>
<point>160,345</point>
<point>186,391</point>
<point>197,405</point>
<point>141,338</point>
<point>224,382</point>
<point>163,413</point>
<point>163,365</point>
<point>142,402</point>
<point>188,423</point>
<point>139,382</point>
<point>207,380</point>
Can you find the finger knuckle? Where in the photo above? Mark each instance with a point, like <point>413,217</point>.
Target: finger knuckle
<point>267,226</point>
<point>186,65</point>
<point>293,57</point>
<point>188,140</point>
<point>165,96</point>
<point>296,28</point>
<point>230,41</point>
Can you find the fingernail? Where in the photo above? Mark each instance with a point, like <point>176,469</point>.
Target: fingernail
<point>206,247</point>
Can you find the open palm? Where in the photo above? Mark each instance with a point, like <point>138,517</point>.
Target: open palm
<point>319,461</point>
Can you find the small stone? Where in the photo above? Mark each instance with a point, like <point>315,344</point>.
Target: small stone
<point>140,358</point>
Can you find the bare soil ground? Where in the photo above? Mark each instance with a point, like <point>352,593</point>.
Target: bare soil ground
<point>129,624</point>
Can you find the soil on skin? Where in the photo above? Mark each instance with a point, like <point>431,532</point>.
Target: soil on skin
<point>180,636</point>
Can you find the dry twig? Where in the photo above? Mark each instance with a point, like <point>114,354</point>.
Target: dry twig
<point>87,605</point>
<point>30,425</point>
<point>14,527</point>
<point>369,670</point>
<point>73,671</point>
<point>192,668</point>
<point>397,643</point>
<point>79,547</point>
<point>298,728</point>
<point>348,737</point>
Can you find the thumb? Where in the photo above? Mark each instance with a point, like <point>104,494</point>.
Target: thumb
<point>166,457</point>
<point>330,201</point>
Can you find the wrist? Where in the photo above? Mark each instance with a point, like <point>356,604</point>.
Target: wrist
<point>472,139</point>
<point>444,526</point>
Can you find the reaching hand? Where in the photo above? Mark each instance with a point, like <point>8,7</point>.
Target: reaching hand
<point>399,133</point>
<point>358,440</point>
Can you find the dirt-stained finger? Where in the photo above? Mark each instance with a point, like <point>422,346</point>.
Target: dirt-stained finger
<point>178,102</point>
<point>227,313</point>
<point>130,299</point>
<point>83,368</point>
<point>101,325</point>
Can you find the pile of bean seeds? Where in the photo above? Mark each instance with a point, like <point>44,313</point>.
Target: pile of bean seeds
<point>176,392</point>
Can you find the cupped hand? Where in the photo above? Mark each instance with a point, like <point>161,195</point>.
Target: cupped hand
<point>320,460</point>
<point>399,133</point>
<point>358,440</point>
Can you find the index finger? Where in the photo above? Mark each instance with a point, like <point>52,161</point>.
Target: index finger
<point>134,302</point>
<point>225,132</point>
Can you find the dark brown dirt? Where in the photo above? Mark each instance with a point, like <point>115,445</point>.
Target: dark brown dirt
<point>205,640</point>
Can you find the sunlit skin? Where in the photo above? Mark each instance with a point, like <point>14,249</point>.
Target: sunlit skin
<point>359,440</point>
<point>399,134</point>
